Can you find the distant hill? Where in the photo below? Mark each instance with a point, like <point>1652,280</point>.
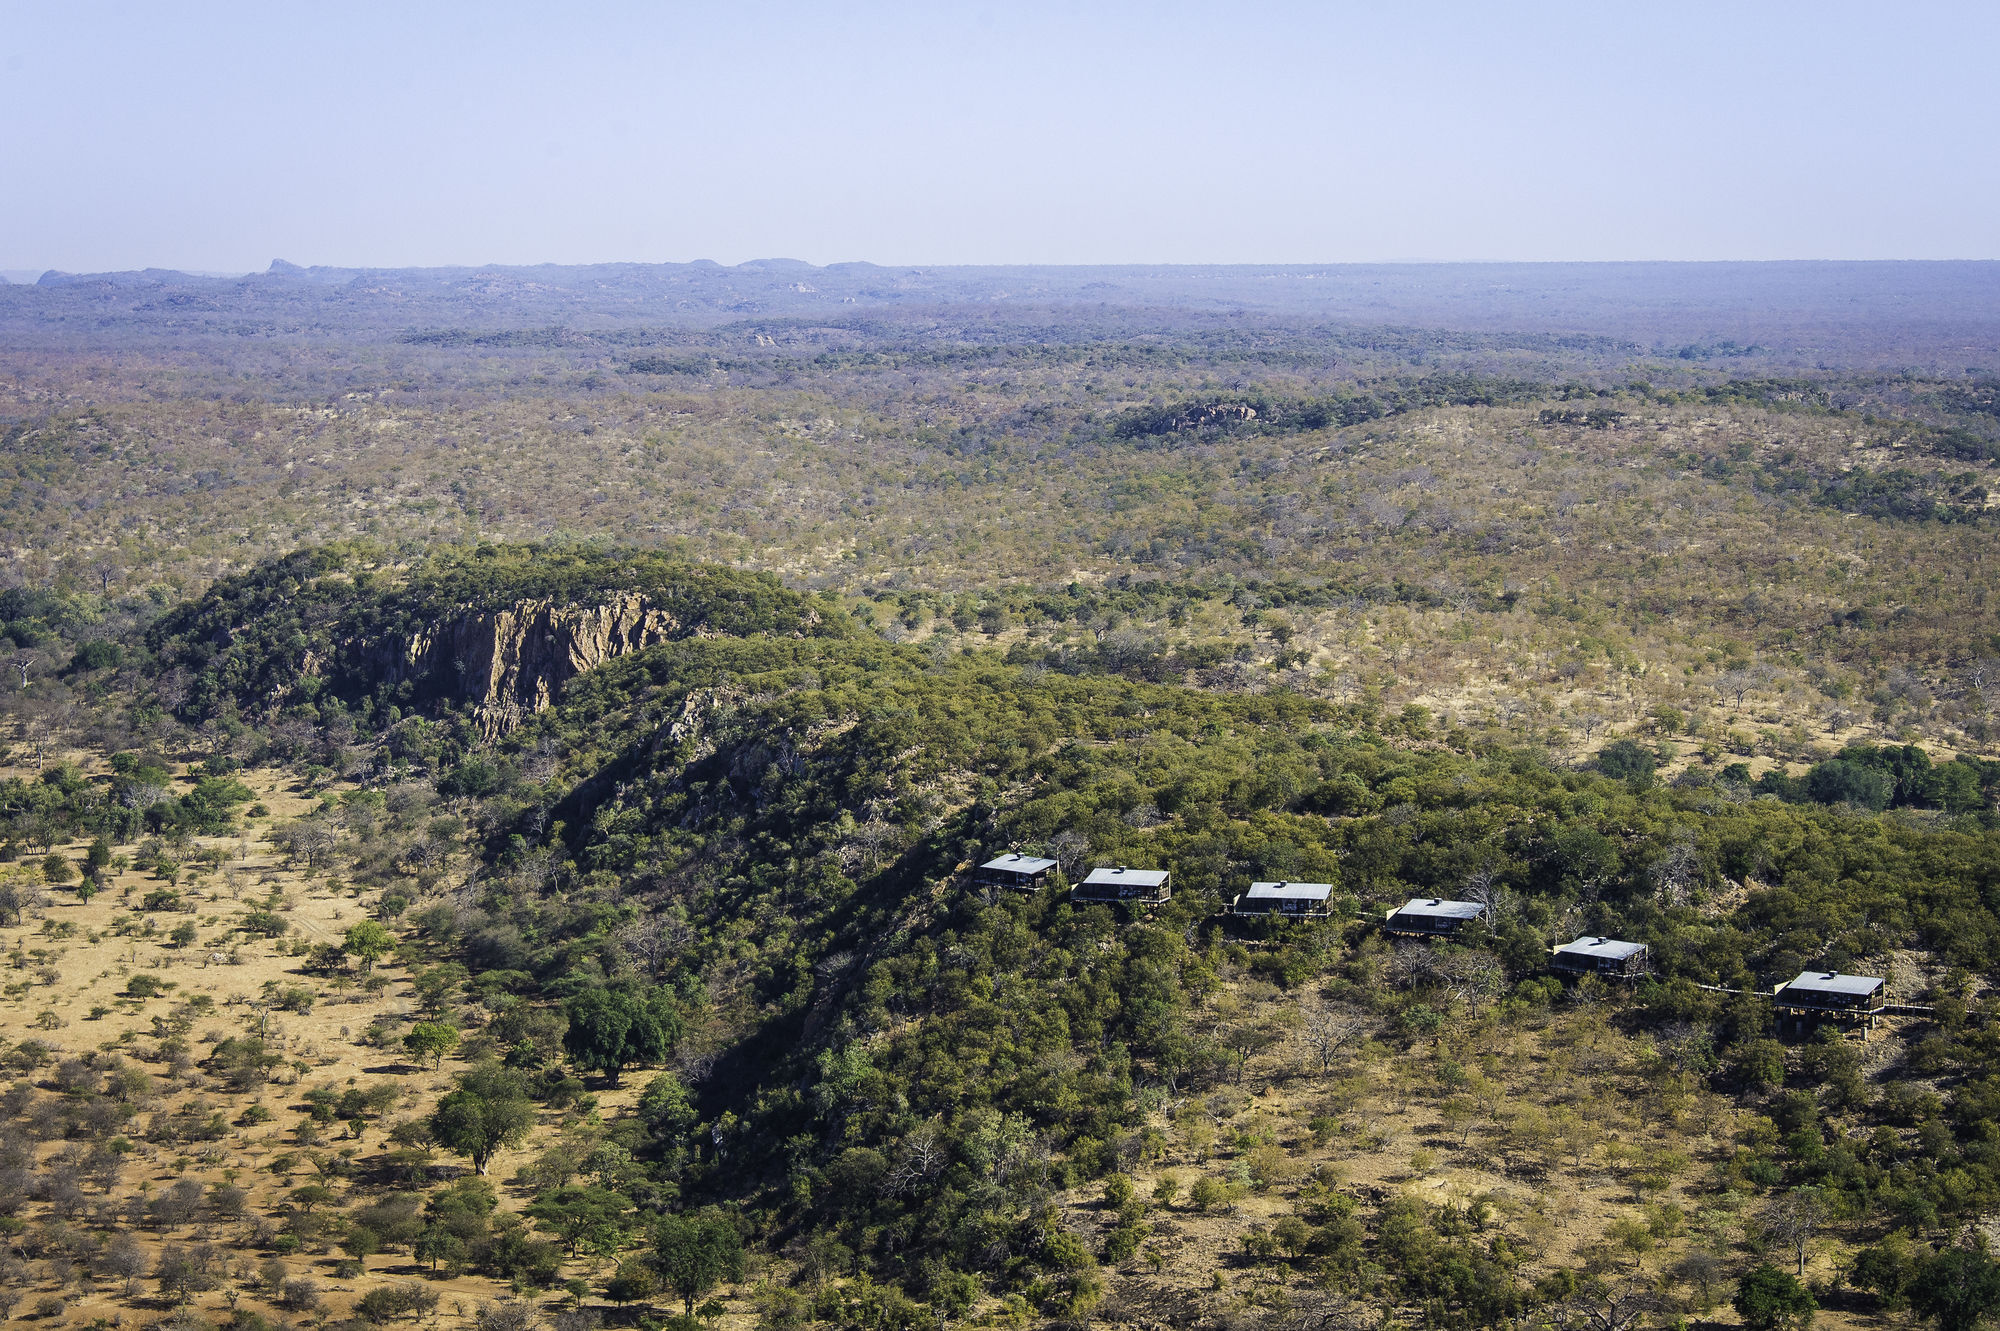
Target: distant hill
<point>1861,313</point>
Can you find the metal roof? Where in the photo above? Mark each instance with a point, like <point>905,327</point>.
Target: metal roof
<point>1122,875</point>
<point>1019,864</point>
<point>1437,909</point>
<point>1289,892</point>
<point>1611,949</point>
<point>1827,982</point>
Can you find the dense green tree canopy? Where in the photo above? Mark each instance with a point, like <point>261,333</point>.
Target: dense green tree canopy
<point>697,1253</point>
<point>489,1110</point>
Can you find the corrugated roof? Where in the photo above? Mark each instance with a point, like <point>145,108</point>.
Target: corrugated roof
<point>1828,982</point>
<point>1612,949</point>
<point>1289,891</point>
<point>1122,876</point>
<point>1446,910</point>
<point>1019,864</point>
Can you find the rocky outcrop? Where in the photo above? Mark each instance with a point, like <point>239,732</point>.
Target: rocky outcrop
<point>1202,417</point>
<point>512,663</point>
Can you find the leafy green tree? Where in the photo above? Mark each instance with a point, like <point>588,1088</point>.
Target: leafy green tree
<point>438,1247</point>
<point>388,1303</point>
<point>360,1242</point>
<point>610,1030</point>
<point>370,942</point>
<point>586,1219</point>
<point>1628,760</point>
<point>1768,1299</point>
<point>1757,1064</point>
<point>634,1279</point>
<point>1838,781</point>
<point>1887,1268</point>
<point>430,1042</point>
<point>1954,787</point>
<point>490,1110</point>
<point>697,1253</point>
<point>313,1195</point>
<point>1958,1288</point>
<point>456,1219</point>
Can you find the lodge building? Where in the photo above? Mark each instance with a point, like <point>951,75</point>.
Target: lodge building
<point>1431,917</point>
<point>1612,958</point>
<point>1816,996</point>
<point>1016,872</point>
<point>1146,887</point>
<point>1297,901</point>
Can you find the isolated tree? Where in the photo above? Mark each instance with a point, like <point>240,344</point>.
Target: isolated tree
<point>370,942</point>
<point>655,939</point>
<point>1327,1034</point>
<point>695,1254</point>
<point>1768,1299</point>
<point>1958,1288</point>
<point>125,1258</point>
<point>1068,849</point>
<point>313,1195</point>
<point>1247,1039</point>
<point>431,1042</point>
<point>1489,891</point>
<point>1792,1219</point>
<point>15,897</point>
<point>437,1245</point>
<point>609,1030</point>
<point>634,1279</point>
<point>1601,1304</point>
<point>507,1315</point>
<point>1678,871</point>
<point>1627,760</point>
<point>307,841</point>
<point>489,1110</point>
<point>586,1219</point>
<point>299,1294</point>
<point>1471,976</point>
<point>183,1273</point>
<point>1739,684</point>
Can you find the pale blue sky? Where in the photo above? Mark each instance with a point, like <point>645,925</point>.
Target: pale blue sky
<point>219,136</point>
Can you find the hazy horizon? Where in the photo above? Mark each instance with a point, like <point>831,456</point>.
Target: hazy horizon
<point>31,275</point>
<point>222,136</point>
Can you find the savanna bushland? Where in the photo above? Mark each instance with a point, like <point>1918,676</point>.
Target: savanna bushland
<point>493,761</point>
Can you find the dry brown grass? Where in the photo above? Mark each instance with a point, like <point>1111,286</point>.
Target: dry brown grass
<point>322,1048</point>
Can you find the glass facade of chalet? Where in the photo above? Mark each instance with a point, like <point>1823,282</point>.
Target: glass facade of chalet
<point>1432,917</point>
<point>1148,886</point>
<point>1296,900</point>
<point>1829,991</point>
<point>1611,957</point>
<point>1021,873</point>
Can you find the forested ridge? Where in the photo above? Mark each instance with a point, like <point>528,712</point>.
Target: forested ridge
<point>495,763</point>
<point>721,884</point>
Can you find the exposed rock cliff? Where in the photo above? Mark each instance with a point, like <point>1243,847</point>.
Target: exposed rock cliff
<point>494,632</point>
<point>511,663</point>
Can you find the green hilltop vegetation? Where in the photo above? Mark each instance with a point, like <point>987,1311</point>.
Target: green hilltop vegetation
<point>315,626</point>
<point>730,866</point>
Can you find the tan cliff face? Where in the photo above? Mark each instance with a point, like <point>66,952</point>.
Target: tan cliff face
<point>512,663</point>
